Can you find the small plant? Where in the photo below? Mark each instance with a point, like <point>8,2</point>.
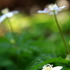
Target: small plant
<point>7,15</point>
<point>53,9</point>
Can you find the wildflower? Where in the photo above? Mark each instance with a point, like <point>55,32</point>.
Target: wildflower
<point>51,8</point>
<point>7,14</point>
<point>50,67</point>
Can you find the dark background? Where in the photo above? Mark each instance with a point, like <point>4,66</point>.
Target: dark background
<point>23,4</point>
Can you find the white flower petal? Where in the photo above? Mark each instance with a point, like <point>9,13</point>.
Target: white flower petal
<point>42,11</point>
<point>55,8</point>
<point>50,7</point>
<point>15,12</point>
<point>57,68</point>
<point>10,14</point>
<point>2,18</point>
<point>44,66</point>
<point>60,8</point>
<point>63,7</point>
<point>47,9</point>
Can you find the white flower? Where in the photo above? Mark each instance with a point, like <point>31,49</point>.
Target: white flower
<point>8,14</point>
<point>51,8</point>
<point>50,67</point>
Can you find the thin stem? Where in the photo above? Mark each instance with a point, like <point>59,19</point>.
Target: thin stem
<point>61,33</point>
<point>11,28</point>
<point>10,25</point>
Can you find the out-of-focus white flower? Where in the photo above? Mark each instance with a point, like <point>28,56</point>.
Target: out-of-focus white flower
<point>51,8</point>
<point>8,14</point>
<point>50,67</point>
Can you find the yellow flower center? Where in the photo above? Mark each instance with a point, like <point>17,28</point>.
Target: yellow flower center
<point>4,11</point>
<point>48,68</point>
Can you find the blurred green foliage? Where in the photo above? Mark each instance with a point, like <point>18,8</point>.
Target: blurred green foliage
<point>39,43</point>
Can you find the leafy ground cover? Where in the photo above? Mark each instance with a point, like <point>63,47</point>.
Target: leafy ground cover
<point>38,43</point>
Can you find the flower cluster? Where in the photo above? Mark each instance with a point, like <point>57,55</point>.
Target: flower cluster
<point>50,67</point>
<point>51,8</point>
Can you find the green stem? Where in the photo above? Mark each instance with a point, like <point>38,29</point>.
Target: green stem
<point>11,28</point>
<point>61,33</point>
